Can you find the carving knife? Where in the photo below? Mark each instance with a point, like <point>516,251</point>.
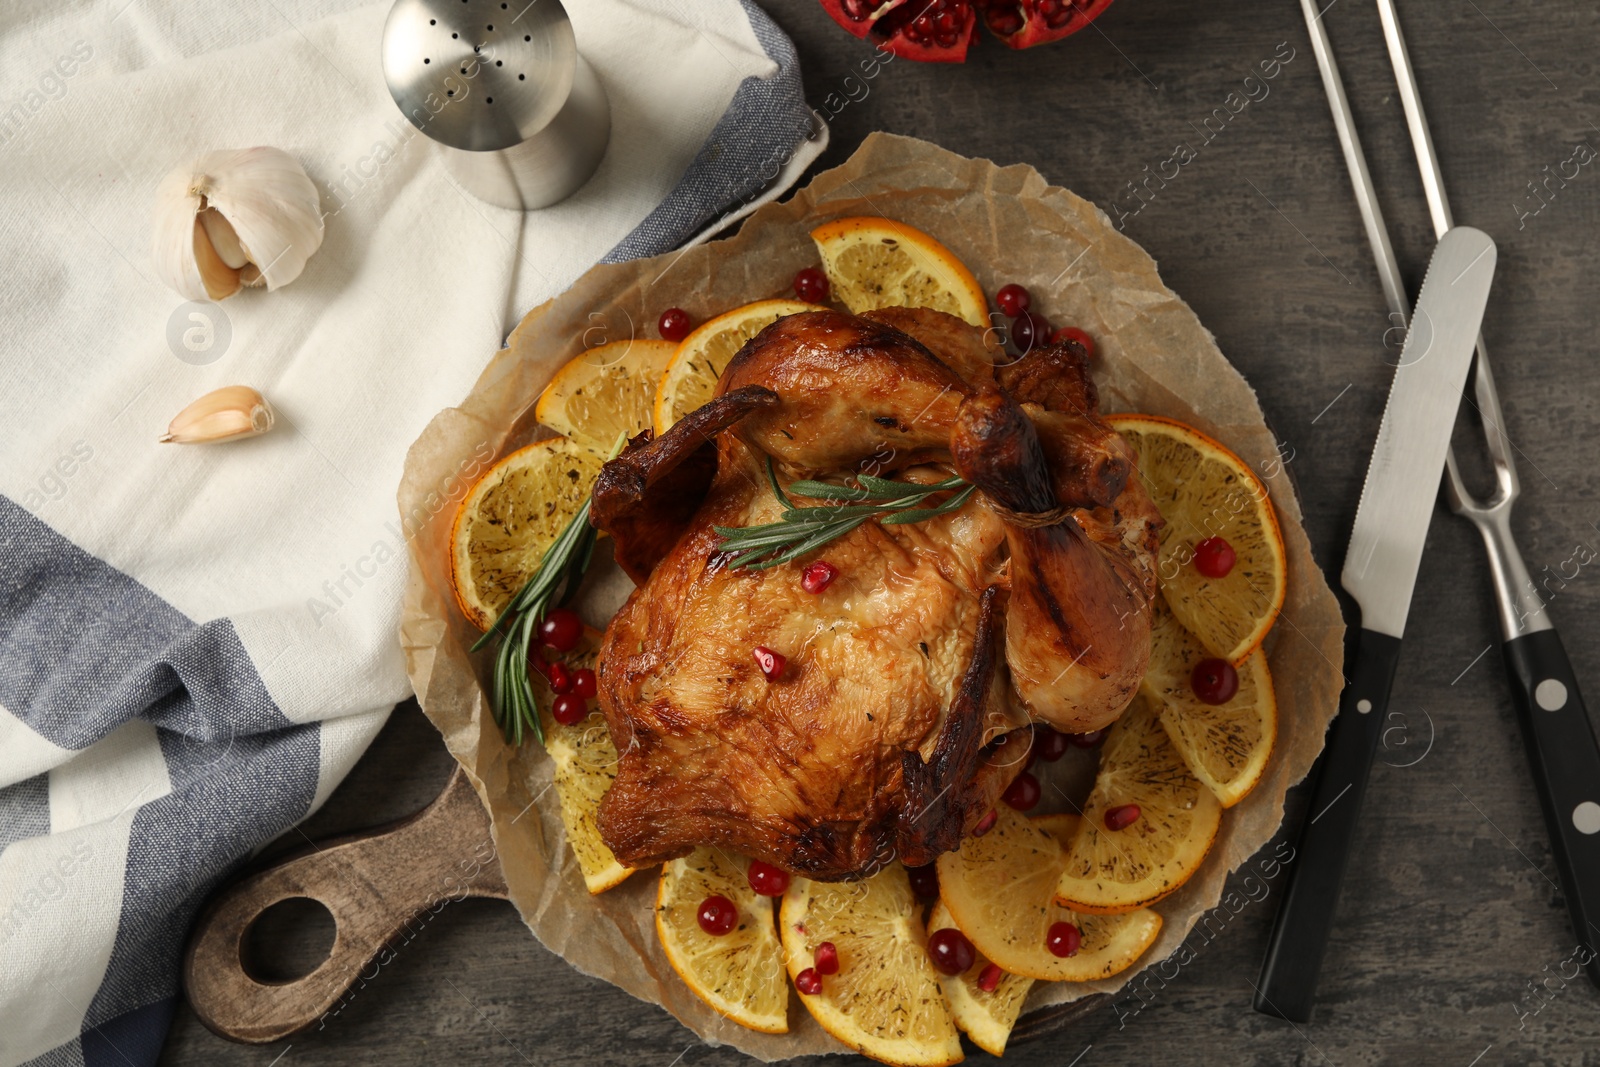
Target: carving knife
<point>1380,570</point>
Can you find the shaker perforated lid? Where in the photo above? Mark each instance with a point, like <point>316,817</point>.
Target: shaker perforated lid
<point>479,75</point>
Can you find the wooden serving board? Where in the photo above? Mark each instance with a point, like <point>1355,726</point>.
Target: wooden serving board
<point>375,884</point>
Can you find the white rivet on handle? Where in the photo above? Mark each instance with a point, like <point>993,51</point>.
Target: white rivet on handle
<point>1550,694</point>
<point>1586,817</point>
<point>1363,705</point>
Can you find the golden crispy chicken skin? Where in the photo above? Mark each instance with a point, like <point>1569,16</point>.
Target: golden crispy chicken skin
<point>878,738</point>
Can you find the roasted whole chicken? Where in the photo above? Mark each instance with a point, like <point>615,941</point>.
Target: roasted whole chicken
<point>903,710</point>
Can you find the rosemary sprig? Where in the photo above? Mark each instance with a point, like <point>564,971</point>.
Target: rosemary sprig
<point>801,529</point>
<point>554,584</point>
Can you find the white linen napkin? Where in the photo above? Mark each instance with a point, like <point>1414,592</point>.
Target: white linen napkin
<point>196,642</point>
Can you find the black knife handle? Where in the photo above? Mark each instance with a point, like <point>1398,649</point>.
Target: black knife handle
<point>1566,772</point>
<point>1288,980</point>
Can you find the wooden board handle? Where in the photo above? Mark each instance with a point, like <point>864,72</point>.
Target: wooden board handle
<point>374,883</point>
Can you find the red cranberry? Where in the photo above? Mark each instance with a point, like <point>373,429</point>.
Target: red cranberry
<point>767,880</point>
<point>808,982</point>
<point>1029,329</point>
<point>985,824</point>
<point>1214,557</point>
<point>924,881</point>
<point>569,709</point>
<point>717,915</point>
<point>560,629</point>
<point>538,663</point>
<point>989,979</point>
<point>1050,744</point>
<point>811,285</point>
<point>674,324</point>
<point>950,951</point>
<point>1063,939</point>
<point>1071,335</point>
<point>559,677</point>
<point>827,958</point>
<point>1088,740</point>
<point>1122,816</point>
<point>818,576</point>
<point>1013,300</point>
<point>770,662</point>
<point>584,683</point>
<point>1023,793</point>
<point>1214,681</point>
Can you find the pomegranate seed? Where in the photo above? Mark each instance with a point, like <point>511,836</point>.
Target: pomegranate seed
<point>827,957</point>
<point>989,980</point>
<point>1214,557</point>
<point>924,881</point>
<point>1029,329</point>
<point>811,285</point>
<point>1088,740</point>
<point>559,677</point>
<point>767,880</point>
<point>717,915</point>
<point>1013,300</point>
<point>770,662</point>
<point>985,824</point>
<point>818,576</point>
<point>569,709</point>
<point>1023,793</point>
<point>584,683</point>
<point>674,324</point>
<point>950,951</point>
<point>1071,335</point>
<point>1214,681</point>
<point>1050,744</point>
<point>560,629</point>
<point>809,982</point>
<point>1063,939</point>
<point>1122,816</point>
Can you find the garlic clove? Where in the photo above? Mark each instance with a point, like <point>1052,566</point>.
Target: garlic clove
<point>219,279</point>
<point>224,241</point>
<point>232,218</point>
<point>225,414</point>
<point>174,235</point>
<point>273,207</point>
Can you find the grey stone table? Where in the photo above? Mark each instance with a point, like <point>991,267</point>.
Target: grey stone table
<point>1451,932</point>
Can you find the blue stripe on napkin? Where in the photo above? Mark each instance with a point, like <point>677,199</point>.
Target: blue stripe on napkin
<point>84,648</point>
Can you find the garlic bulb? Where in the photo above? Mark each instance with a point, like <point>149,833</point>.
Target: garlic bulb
<point>225,414</point>
<point>233,218</point>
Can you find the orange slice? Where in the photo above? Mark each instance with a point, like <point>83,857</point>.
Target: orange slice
<point>691,375</point>
<point>1109,872</point>
<point>509,519</point>
<point>585,766</point>
<point>875,262</point>
<point>739,973</point>
<point>607,391</point>
<point>1227,745</point>
<point>1205,491</point>
<point>986,1016</point>
<point>885,1001</point>
<point>1000,890</point>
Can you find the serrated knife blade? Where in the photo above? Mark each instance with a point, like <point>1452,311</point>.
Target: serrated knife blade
<point>1380,571</point>
<point>1380,566</point>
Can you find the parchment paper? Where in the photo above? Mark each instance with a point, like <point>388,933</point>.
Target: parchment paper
<point>1007,224</point>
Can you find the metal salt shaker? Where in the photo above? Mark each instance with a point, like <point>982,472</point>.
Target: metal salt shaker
<point>523,118</point>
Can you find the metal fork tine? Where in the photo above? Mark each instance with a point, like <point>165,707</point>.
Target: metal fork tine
<point>1461,500</point>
